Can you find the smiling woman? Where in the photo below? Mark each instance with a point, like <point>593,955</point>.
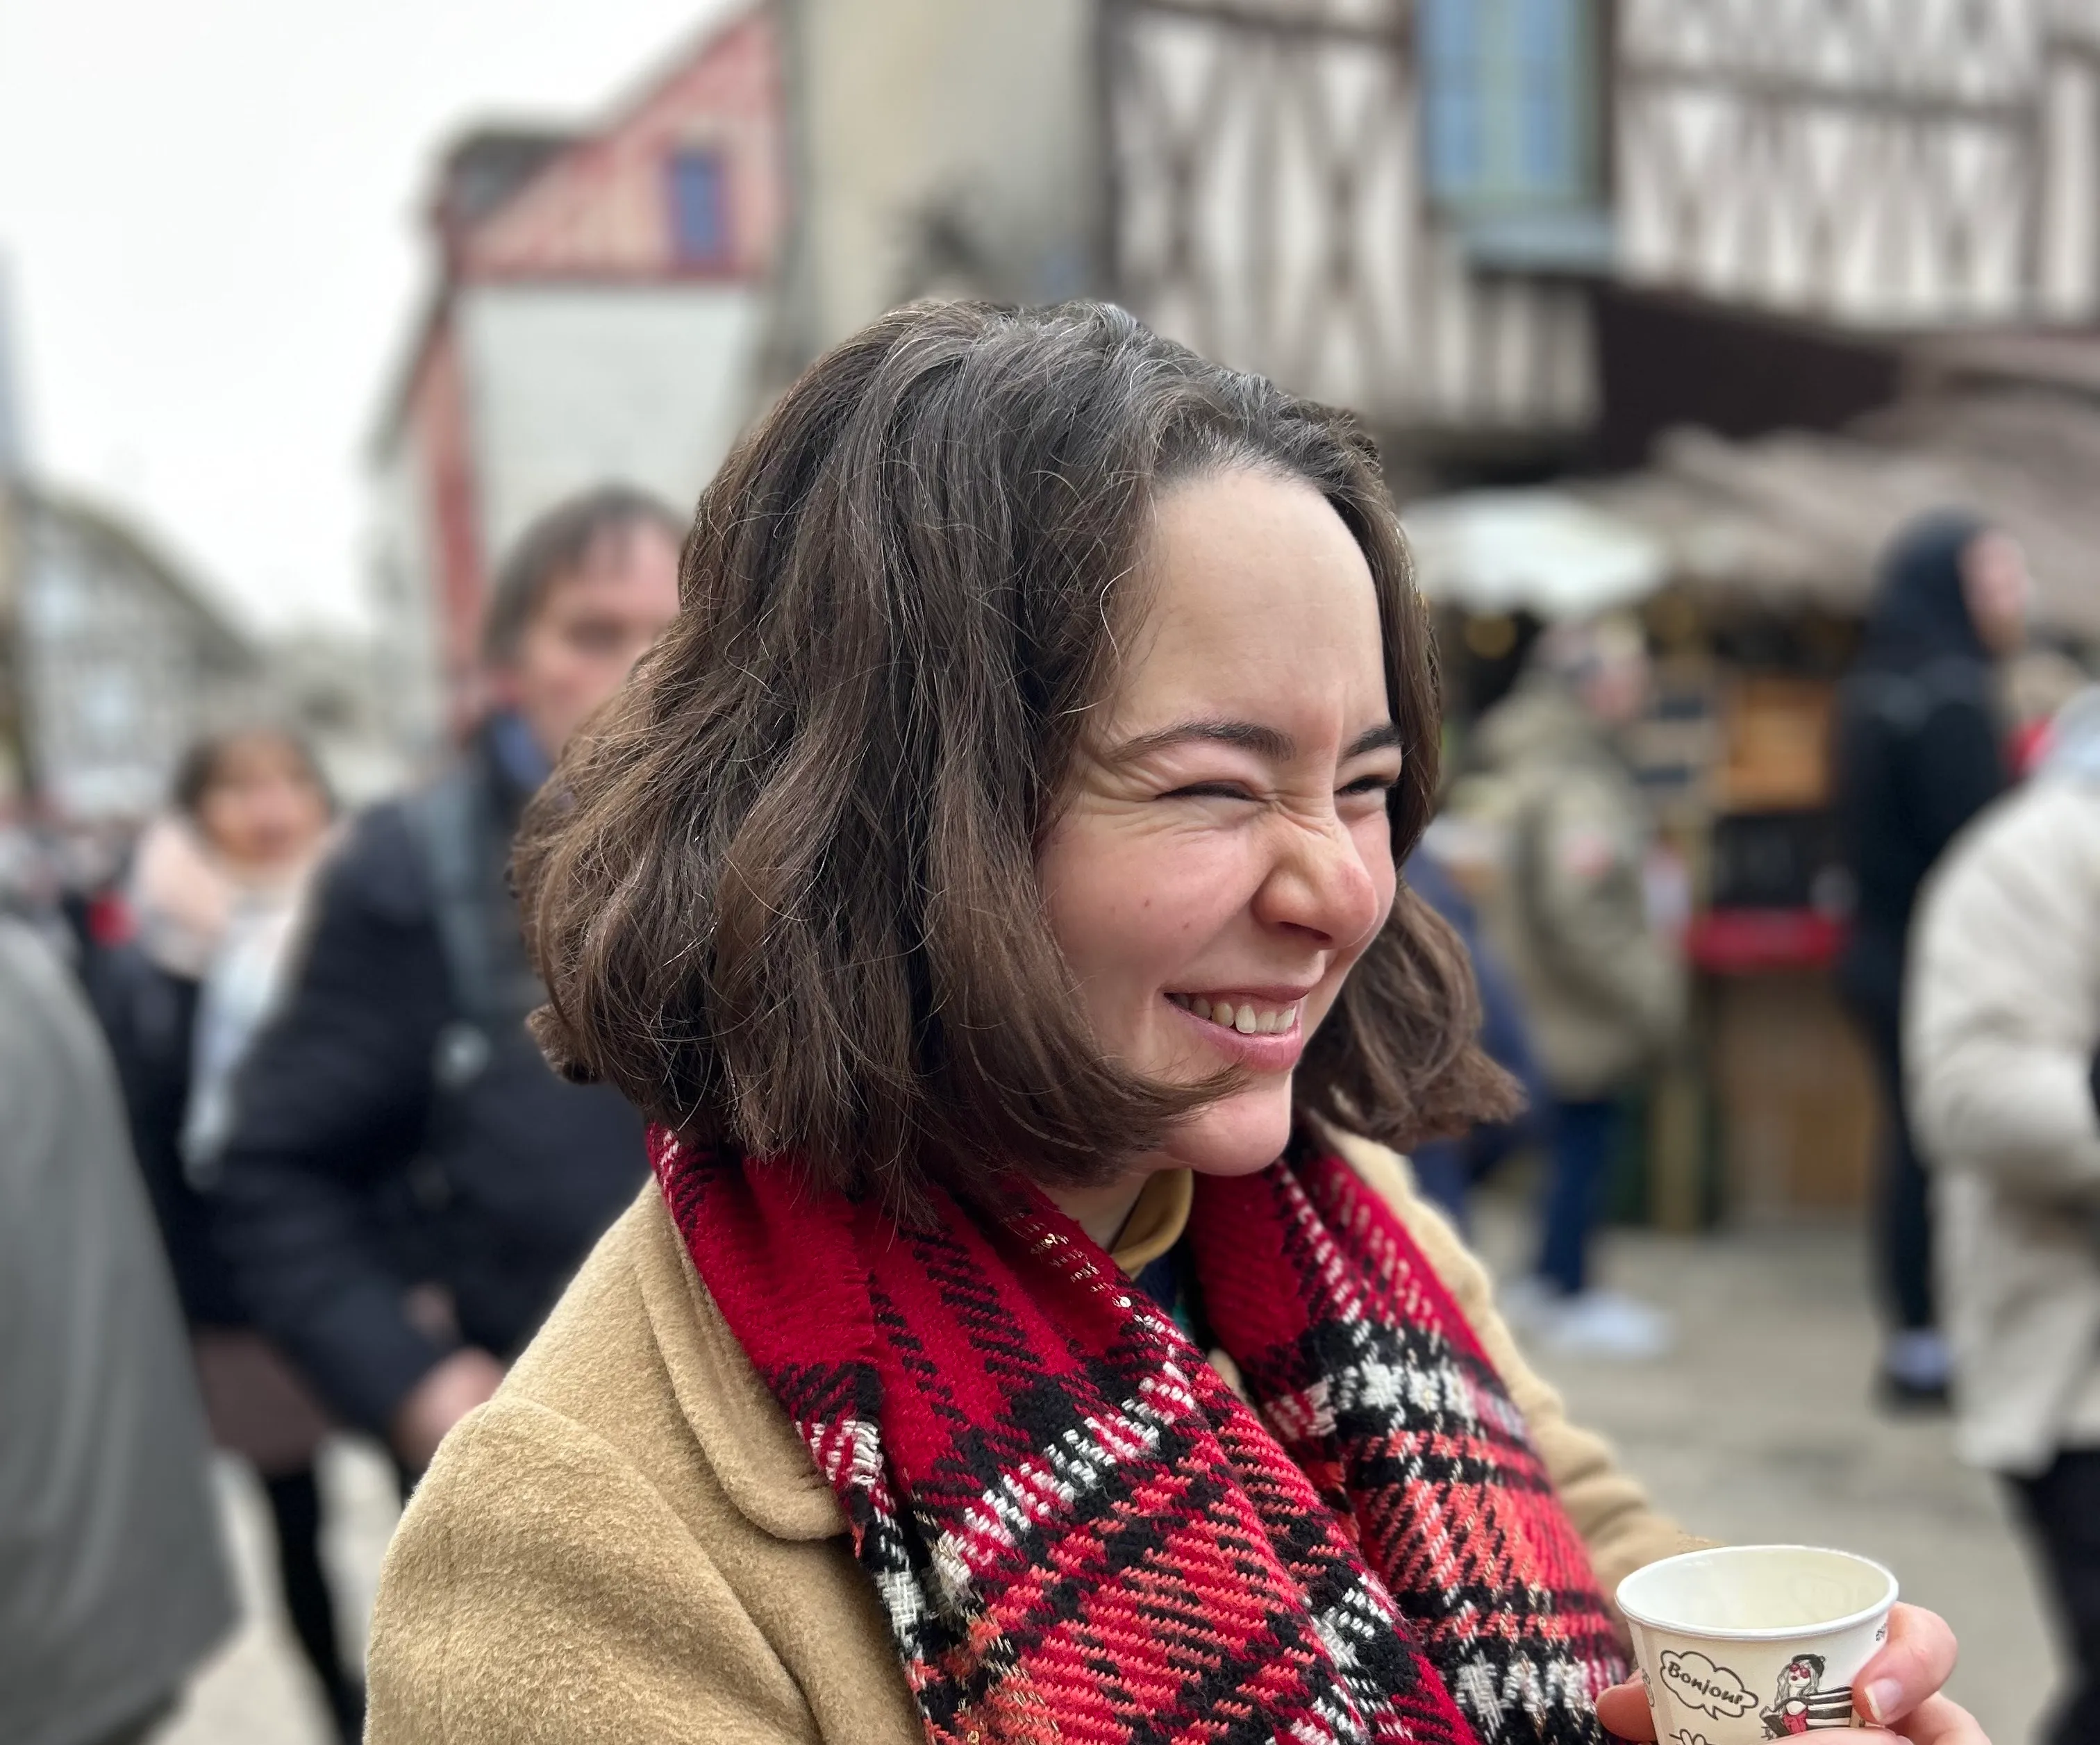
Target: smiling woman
<point>1222,854</point>
<point>969,595</point>
<point>989,887</point>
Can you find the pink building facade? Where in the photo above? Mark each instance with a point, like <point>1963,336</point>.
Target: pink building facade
<point>597,317</point>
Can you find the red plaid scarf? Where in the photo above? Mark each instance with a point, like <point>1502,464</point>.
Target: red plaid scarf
<point>1079,1532</point>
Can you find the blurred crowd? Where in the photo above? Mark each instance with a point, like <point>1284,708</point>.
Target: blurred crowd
<point>272,1094</point>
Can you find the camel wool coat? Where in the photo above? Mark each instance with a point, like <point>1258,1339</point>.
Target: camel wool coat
<point>629,1542</point>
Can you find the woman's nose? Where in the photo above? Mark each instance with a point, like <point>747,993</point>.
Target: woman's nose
<point>1321,883</point>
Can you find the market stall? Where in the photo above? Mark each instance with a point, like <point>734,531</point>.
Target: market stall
<point>1751,565</point>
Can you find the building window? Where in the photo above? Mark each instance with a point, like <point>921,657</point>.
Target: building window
<point>699,208</point>
<point>1512,116</point>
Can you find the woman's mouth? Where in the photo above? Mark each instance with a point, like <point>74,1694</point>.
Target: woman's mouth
<point>1247,1016</point>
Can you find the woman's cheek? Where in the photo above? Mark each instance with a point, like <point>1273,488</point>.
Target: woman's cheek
<point>1196,896</point>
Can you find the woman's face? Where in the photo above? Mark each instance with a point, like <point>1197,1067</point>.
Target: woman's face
<point>1223,857</point>
<point>1996,586</point>
<point>262,808</point>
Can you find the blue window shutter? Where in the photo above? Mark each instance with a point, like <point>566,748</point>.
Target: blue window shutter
<point>699,208</point>
<point>1508,103</point>
<point>1451,90</point>
<point>1552,98</point>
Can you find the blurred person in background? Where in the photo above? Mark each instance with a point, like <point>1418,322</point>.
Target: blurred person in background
<point>1448,1170</point>
<point>1918,755</point>
<point>214,892</point>
<point>1600,984</point>
<point>2002,1026</point>
<point>406,1185</point>
<point>2038,683</point>
<point>113,1585</point>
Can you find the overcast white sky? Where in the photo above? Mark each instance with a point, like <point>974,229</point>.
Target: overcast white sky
<point>210,215</point>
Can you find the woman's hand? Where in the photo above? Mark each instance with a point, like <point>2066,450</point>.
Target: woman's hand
<point>1897,1693</point>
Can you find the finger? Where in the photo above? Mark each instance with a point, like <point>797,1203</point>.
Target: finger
<point>1938,1721</point>
<point>1624,1711</point>
<point>1911,1666</point>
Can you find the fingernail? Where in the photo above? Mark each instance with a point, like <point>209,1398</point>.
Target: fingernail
<point>1879,1700</point>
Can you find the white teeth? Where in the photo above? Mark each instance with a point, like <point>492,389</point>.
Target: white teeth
<point>1244,1023</point>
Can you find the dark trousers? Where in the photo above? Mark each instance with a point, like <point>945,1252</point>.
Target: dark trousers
<point>2062,1509</point>
<point>1584,1134</point>
<point>295,1511</point>
<point>1904,1213</point>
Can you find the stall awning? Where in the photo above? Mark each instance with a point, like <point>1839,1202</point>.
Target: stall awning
<point>1541,550</point>
<point>1793,519</point>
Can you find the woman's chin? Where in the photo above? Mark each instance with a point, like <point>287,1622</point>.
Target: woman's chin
<point>1238,1136</point>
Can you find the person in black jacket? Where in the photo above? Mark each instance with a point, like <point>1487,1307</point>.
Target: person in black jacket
<point>1919,754</point>
<point>406,1185</point>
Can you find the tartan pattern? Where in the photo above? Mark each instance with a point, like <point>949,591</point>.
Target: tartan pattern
<point>1079,1532</point>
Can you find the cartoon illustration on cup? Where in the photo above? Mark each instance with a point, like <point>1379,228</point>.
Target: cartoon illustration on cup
<point>1699,1684</point>
<point>1800,1704</point>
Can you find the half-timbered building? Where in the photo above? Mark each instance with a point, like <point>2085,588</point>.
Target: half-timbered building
<point>1919,164</point>
<point>1411,206</point>
<point>113,659</point>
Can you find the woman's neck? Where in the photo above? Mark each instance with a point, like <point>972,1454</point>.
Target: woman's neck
<point>1101,1211</point>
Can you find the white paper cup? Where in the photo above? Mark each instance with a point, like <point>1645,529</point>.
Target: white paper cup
<point>1745,1643</point>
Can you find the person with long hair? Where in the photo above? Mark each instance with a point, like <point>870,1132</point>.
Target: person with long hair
<point>988,888</point>
<point>215,893</point>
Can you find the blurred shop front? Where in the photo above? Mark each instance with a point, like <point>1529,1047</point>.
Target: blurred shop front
<point>1750,565</point>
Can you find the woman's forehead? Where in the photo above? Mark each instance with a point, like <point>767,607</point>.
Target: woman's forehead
<point>254,756</point>
<point>1260,606</point>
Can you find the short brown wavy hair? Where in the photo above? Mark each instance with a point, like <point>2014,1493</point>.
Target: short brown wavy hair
<point>783,890</point>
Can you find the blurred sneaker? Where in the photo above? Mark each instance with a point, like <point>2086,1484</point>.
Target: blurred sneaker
<point>1608,1324</point>
<point>1594,1322</point>
<point>1528,1303</point>
<point>1915,1370</point>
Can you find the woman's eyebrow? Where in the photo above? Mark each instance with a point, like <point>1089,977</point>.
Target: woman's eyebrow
<point>1251,736</point>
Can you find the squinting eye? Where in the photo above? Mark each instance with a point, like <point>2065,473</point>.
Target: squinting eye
<point>1370,784</point>
<point>1209,790</point>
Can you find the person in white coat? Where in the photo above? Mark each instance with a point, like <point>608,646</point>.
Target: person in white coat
<point>2002,1023</point>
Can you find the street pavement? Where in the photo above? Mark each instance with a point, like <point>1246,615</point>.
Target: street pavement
<point>255,1690</point>
<point>1757,1428</point>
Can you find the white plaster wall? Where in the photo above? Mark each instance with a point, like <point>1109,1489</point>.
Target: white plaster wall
<point>987,111</point>
<point>570,386</point>
<point>2070,189</point>
<point>402,591</point>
